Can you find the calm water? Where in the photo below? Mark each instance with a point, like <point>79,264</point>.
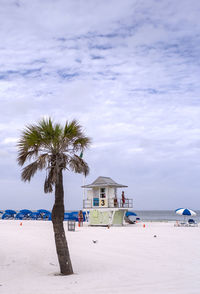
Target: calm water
<point>163,215</point>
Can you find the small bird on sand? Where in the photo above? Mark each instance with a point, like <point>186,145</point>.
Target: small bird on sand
<point>155,236</point>
<point>94,241</point>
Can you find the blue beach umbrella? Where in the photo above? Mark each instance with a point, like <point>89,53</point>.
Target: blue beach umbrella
<point>130,217</point>
<point>44,211</point>
<point>130,213</point>
<point>185,211</point>
<point>10,211</point>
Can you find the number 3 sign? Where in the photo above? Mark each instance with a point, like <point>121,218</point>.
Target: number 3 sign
<point>102,202</point>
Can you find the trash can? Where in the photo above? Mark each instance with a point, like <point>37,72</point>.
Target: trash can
<point>71,225</point>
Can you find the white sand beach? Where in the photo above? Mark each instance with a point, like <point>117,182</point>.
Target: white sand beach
<point>123,260</point>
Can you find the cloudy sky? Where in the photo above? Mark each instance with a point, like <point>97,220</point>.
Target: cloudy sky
<point>129,71</point>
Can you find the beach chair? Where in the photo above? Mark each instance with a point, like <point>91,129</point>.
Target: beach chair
<point>192,223</point>
<point>35,215</point>
<point>181,224</point>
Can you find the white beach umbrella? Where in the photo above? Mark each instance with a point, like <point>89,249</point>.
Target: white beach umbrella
<point>185,211</point>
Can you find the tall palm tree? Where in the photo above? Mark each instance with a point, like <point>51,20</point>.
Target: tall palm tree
<point>54,148</point>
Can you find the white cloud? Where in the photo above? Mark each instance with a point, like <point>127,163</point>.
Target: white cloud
<point>10,140</point>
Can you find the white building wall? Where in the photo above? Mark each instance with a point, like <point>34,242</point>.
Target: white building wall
<point>96,192</point>
<point>111,193</point>
<point>89,194</point>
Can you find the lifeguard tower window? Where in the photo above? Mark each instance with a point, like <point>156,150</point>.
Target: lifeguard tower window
<point>95,201</point>
<point>102,193</point>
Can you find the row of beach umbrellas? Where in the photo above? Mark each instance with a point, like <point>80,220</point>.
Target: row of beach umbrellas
<point>25,212</point>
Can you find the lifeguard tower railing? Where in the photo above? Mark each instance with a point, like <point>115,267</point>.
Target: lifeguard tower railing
<point>107,203</point>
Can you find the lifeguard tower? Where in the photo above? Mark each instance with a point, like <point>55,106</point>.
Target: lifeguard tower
<point>103,204</point>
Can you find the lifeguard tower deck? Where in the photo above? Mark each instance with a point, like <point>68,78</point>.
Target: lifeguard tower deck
<point>103,204</point>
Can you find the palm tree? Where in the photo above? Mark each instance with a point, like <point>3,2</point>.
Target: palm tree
<point>54,148</point>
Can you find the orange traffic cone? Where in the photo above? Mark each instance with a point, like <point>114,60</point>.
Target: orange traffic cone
<point>20,224</point>
<point>79,225</point>
<point>144,226</point>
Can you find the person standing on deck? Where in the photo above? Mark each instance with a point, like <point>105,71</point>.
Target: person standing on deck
<point>115,201</point>
<point>123,199</point>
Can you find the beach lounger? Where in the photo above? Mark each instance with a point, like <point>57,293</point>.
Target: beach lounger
<point>181,224</point>
<point>192,223</point>
<point>34,215</point>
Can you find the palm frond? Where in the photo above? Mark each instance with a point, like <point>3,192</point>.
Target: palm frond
<point>78,165</point>
<point>81,143</point>
<point>49,181</point>
<point>25,155</point>
<point>51,133</point>
<point>30,137</point>
<point>74,138</point>
<point>72,129</point>
<point>29,171</point>
<point>42,161</point>
<point>29,144</point>
<point>46,126</point>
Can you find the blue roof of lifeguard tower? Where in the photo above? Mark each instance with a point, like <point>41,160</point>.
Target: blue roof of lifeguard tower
<point>104,182</point>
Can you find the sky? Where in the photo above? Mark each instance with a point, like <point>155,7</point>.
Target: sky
<point>128,71</point>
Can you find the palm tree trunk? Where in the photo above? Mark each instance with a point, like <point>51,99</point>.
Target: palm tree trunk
<point>59,232</point>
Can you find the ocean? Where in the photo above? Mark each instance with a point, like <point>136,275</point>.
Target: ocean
<point>163,215</point>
